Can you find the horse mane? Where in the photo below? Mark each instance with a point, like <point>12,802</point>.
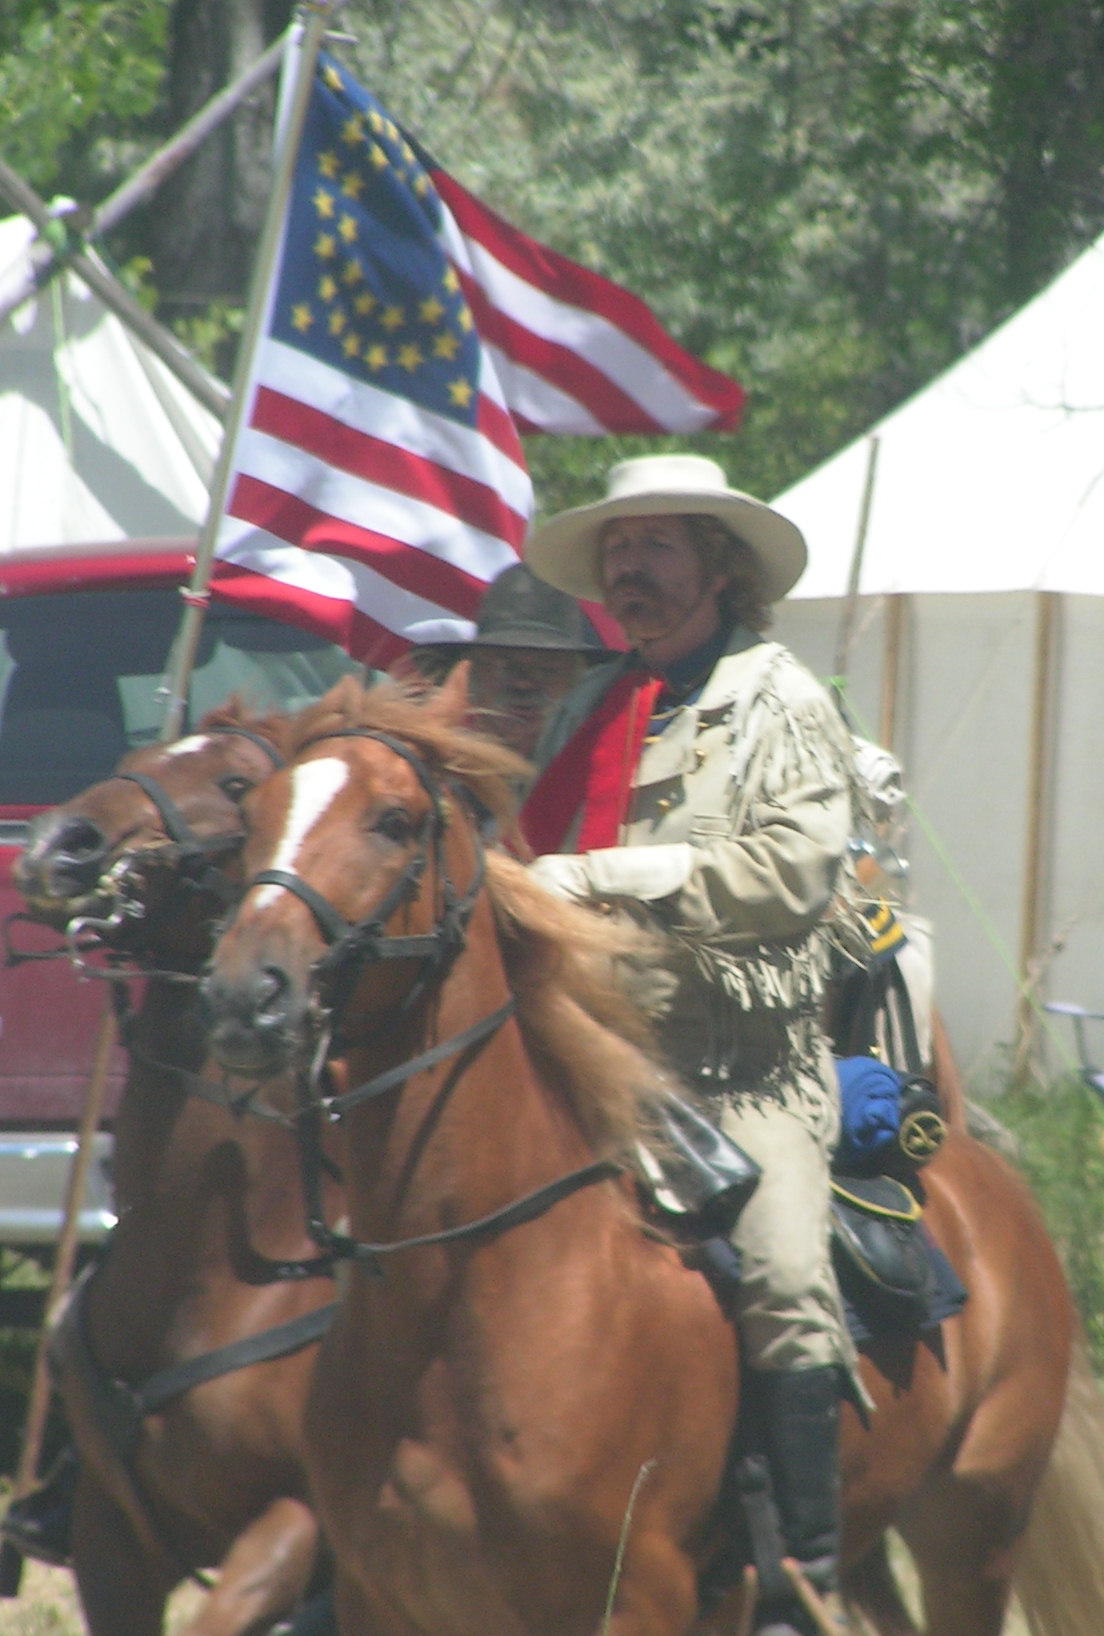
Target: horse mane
<point>596,1045</point>
<point>432,724</point>
<point>560,958</point>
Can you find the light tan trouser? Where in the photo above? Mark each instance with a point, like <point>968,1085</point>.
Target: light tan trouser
<point>789,1306</point>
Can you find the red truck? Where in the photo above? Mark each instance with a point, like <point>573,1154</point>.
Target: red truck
<point>85,638</point>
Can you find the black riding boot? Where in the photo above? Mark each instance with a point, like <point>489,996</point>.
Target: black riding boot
<point>800,1439</point>
<point>38,1523</point>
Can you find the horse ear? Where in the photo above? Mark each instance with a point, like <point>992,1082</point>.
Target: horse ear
<point>450,702</point>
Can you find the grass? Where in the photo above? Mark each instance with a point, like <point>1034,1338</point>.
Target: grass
<point>1061,1128</point>
<point>47,1605</point>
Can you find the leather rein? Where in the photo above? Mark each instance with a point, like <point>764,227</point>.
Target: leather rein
<point>352,946</point>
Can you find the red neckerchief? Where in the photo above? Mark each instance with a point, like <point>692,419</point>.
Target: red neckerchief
<point>593,772</point>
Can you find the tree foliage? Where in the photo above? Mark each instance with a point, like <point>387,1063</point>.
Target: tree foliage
<point>1061,1129</point>
<point>829,199</point>
<point>79,80</point>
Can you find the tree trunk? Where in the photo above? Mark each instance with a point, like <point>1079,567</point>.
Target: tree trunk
<point>208,214</point>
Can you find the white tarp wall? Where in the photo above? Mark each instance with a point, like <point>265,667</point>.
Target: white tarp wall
<point>978,646</point>
<point>964,720</point>
<point>98,440</point>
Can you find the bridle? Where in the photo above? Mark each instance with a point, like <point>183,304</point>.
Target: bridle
<point>194,866</point>
<point>352,946</point>
<point>194,863</point>
<point>198,871</point>
<point>193,852</point>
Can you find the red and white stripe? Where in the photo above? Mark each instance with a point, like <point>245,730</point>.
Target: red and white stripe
<point>379,524</point>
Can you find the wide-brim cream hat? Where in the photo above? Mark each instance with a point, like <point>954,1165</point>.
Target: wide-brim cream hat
<point>564,550</point>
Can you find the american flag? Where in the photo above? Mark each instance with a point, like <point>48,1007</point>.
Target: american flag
<point>379,482</point>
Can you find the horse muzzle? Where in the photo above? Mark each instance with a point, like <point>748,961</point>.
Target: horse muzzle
<point>253,1023</point>
<point>60,868</point>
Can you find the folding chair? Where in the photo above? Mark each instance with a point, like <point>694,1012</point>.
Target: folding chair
<point>1092,1075</point>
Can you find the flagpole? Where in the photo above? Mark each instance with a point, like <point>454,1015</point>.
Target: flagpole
<point>318,14</point>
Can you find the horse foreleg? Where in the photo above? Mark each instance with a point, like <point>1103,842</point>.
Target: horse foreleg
<point>264,1576</point>
<point>122,1590</point>
<point>963,1546</point>
<point>870,1587</point>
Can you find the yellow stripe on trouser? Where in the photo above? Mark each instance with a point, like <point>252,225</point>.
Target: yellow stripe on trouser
<point>886,931</point>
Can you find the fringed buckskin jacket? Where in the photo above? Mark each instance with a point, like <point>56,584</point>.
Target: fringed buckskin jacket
<point>735,851</point>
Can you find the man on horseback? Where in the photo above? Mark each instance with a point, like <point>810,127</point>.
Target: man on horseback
<point>532,644</point>
<point>702,783</point>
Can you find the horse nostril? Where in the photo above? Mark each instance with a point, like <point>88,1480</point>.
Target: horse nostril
<point>258,1003</point>
<point>64,857</point>
<point>80,848</point>
<point>247,1022</point>
<point>270,986</point>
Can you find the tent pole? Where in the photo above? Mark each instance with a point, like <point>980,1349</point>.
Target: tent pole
<point>61,1280</point>
<point>1038,781</point>
<point>160,341</point>
<point>895,607</point>
<point>160,165</point>
<point>189,137</point>
<point>847,619</point>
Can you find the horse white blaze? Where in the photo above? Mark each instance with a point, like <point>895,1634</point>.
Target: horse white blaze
<point>313,786</point>
<point>183,746</point>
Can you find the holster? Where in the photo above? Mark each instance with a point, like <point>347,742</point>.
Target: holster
<point>697,1175</point>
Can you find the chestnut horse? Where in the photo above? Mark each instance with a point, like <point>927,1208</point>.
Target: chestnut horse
<point>518,1420</point>
<point>178,1471</point>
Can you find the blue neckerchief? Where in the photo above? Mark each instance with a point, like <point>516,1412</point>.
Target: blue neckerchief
<point>684,679</point>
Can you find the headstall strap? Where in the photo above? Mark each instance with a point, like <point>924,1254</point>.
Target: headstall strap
<point>331,924</point>
<point>353,945</point>
<point>258,739</point>
<point>193,850</point>
<point>176,825</point>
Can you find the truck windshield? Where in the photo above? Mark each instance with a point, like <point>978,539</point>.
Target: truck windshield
<point>82,680</point>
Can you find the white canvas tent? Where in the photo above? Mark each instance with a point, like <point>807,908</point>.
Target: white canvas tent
<point>956,577</point>
<point>98,440</point>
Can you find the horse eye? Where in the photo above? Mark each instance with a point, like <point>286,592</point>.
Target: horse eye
<point>235,788</point>
<point>394,825</point>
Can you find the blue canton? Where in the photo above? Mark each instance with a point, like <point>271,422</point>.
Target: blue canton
<point>365,285</point>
